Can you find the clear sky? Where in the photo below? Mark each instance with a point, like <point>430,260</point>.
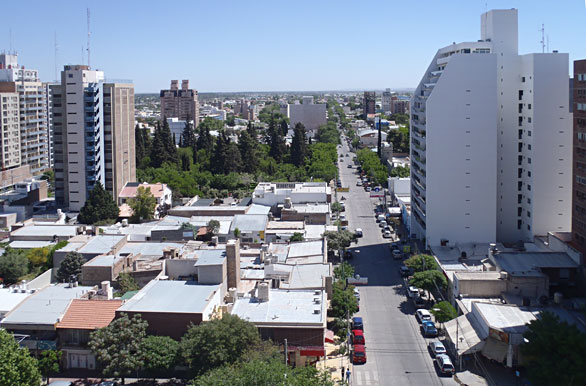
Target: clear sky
<point>273,45</point>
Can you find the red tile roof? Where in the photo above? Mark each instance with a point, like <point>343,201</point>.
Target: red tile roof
<point>89,314</point>
<point>129,191</point>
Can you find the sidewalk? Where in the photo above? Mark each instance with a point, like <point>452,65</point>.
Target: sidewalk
<point>333,363</point>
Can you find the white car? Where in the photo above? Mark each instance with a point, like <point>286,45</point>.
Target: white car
<point>387,235</point>
<point>358,183</point>
<point>413,292</point>
<point>357,293</point>
<point>437,348</point>
<point>343,217</point>
<point>423,315</point>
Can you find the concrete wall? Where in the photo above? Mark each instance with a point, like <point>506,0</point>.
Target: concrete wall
<point>175,268</point>
<point>211,274</point>
<point>478,287</point>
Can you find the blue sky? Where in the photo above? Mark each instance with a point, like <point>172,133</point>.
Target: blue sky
<point>271,45</point>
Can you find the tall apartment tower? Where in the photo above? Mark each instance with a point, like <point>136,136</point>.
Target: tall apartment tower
<point>33,129</point>
<point>579,165</point>
<point>78,129</point>
<point>490,134</point>
<point>386,101</point>
<point>180,103</point>
<point>9,127</point>
<point>119,145</point>
<point>369,103</point>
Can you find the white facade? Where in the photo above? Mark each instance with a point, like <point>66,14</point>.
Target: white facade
<point>491,137</point>
<point>311,115</point>
<point>9,130</point>
<point>274,193</point>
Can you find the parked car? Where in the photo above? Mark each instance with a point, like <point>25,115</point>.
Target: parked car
<point>358,183</point>
<point>387,235</point>
<point>428,329</point>
<point>357,323</point>
<point>357,293</point>
<point>358,232</point>
<point>397,255</point>
<point>382,224</point>
<point>444,364</point>
<point>437,348</point>
<point>423,315</point>
<point>394,246</point>
<point>368,189</point>
<point>379,217</point>
<point>60,383</point>
<point>358,354</point>
<point>358,337</point>
<point>419,301</point>
<point>349,166</point>
<point>405,271</point>
<point>413,292</point>
<point>342,217</point>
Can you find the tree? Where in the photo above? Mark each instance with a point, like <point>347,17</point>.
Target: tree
<point>118,347</point>
<point>188,137</point>
<point>337,207</point>
<point>343,271</point>
<point>139,145</point>
<point>237,233</point>
<point>296,237</point>
<point>49,363</point>
<point>276,142</point>
<point>284,126</point>
<point>143,205</point>
<point>248,152</point>
<point>213,227</point>
<point>298,145</point>
<point>17,367</point>
<point>263,372</point>
<point>339,240</point>
<point>127,283</point>
<point>217,342</point>
<point>429,280</point>
<point>158,151</point>
<point>400,171</point>
<point>343,301</point>
<point>444,312</point>
<point>554,352</point>
<point>13,266</point>
<point>70,267</point>
<point>99,206</point>
<point>161,354</point>
<point>38,256</point>
<point>169,143</point>
<point>421,262</point>
<point>220,159</point>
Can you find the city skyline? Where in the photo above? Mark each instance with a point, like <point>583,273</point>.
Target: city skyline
<point>237,47</point>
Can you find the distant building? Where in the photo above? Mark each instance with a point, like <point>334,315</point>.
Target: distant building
<point>386,101</point>
<point>245,110</point>
<point>475,178</point>
<point>399,105</point>
<point>161,192</point>
<point>579,165</point>
<point>182,104</point>
<point>369,103</point>
<point>177,126</point>
<point>311,115</point>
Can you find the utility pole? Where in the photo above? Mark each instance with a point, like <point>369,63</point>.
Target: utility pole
<point>286,352</point>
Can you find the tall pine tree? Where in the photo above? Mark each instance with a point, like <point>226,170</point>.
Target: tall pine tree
<point>248,152</point>
<point>169,143</point>
<point>276,141</point>
<point>219,157</point>
<point>158,151</point>
<point>298,145</point>
<point>284,127</point>
<point>99,206</point>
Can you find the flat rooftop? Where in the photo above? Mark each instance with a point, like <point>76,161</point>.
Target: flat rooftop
<point>210,257</point>
<point>508,318</point>
<point>104,261</point>
<point>172,296</point>
<point>46,230</point>
<point>529,263</point>
<point>10,298</point>
<point>101,244</point>
<point>149,249</point>
<point>310,208</point>
<point>306,248</point>
<point>249,222</point>
<point>45,307</point>
<point>284,307</point>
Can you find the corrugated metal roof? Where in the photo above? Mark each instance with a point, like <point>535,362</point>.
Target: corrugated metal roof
<point>249,222</point>
<point>89,314</point>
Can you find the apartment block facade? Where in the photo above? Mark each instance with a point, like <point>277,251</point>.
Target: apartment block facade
<point>119,140</point>
<point>33,125</point>
<point>579,164</point>
<point>78,128</point>
<point>386,101</point>
<point>491,130</point>
<point>180,103</point>
<point>369,103</point>
<point>309,114</point>
<point>9,127</point>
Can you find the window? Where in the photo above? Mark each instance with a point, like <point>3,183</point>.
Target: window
<point>519,198</point>
<point>529,119</point>
<point>520,121</point>
<point>529,160</point>
<point>519,223</point>
<point>523,79</point>
<point>520,95</point>
<point>529,106</point>
<point>519,211</point>
<point>70,75</point>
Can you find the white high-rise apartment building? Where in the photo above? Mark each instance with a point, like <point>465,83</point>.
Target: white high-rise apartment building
<point>311,115</point>
<point>32,101</point>
<point>386,101</point>
<point>78,130</point>
<point>491,141</point>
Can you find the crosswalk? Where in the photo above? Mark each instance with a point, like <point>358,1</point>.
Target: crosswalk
<point>365,378</point>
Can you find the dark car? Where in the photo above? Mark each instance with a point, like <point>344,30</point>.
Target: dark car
<point>357,323</point>
<point>405,271</point>
<point>428,328</point>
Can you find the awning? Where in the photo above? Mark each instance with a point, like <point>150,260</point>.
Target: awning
<point>329,336</point>
<point>494,349</point>
<point>466,337</point>
<point>309,351</point>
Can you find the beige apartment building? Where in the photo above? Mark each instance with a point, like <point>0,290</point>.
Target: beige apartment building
<point>9,127</point>
<point>180,103</point>
<point>119,144</point>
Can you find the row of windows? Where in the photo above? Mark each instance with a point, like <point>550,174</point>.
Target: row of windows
<point>581,106</point>
<point>581,77</point>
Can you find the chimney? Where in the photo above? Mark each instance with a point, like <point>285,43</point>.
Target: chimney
<point>233,263</point>
<point>263,292</point>
<point>106,289</point>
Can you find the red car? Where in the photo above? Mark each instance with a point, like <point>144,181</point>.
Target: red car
<point>358,337</point>
<point>359,354</point>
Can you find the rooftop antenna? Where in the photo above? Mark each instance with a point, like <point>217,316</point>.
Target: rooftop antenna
<point>88,37</point>
<point>10,40</point>
<point>56,66</point>
<point>542,38</point>
<point>82,54</point>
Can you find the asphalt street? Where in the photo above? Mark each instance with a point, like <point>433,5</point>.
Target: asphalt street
<point>396,351</point>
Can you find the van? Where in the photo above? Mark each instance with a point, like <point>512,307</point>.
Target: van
<point>444,364</point>
<point>423,315</point>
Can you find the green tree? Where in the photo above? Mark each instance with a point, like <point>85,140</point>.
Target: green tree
<point>444,312</point>
<point>421,262</point>
<point>296,237</point>
<point>38,256</point>
<point>429,280</point>
<point>336,207</point>
<point>284,126</point>
<point>99,206</point>
<point>13,265</point>
<point>118,347</point>
<point>17,367</point>
<point>339,240</point>
<point>248,152</point>
<point>343,271</point>
<point>169,143</point>
<point>126,282</point>
<point>158,152</point>
<point>161,354</point>
<point>298,145</point>
<point>143,205</point>
<point>49,363</point>
<point>217,342</point>
<point>237,233</point>
<point>263,373</point>
<point>139,145</point>
<point>400,171</point>
<point>213,227</point>
<point>233,162</point>
<point>220,157</point>
<point>554,352</point>
<point>277,147</point>
<point>70,267</point>
<point>343,301</point>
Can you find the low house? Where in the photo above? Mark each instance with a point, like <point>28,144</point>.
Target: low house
<point>106,267</point>
<point>315,214</point>
<point>83,317</point>
<point>369,137</point>
<point>296,315</point>
<point>252,227</point>
<point>161,192</point>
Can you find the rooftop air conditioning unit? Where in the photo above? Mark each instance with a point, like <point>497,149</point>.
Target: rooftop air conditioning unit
<point>316,311</point>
